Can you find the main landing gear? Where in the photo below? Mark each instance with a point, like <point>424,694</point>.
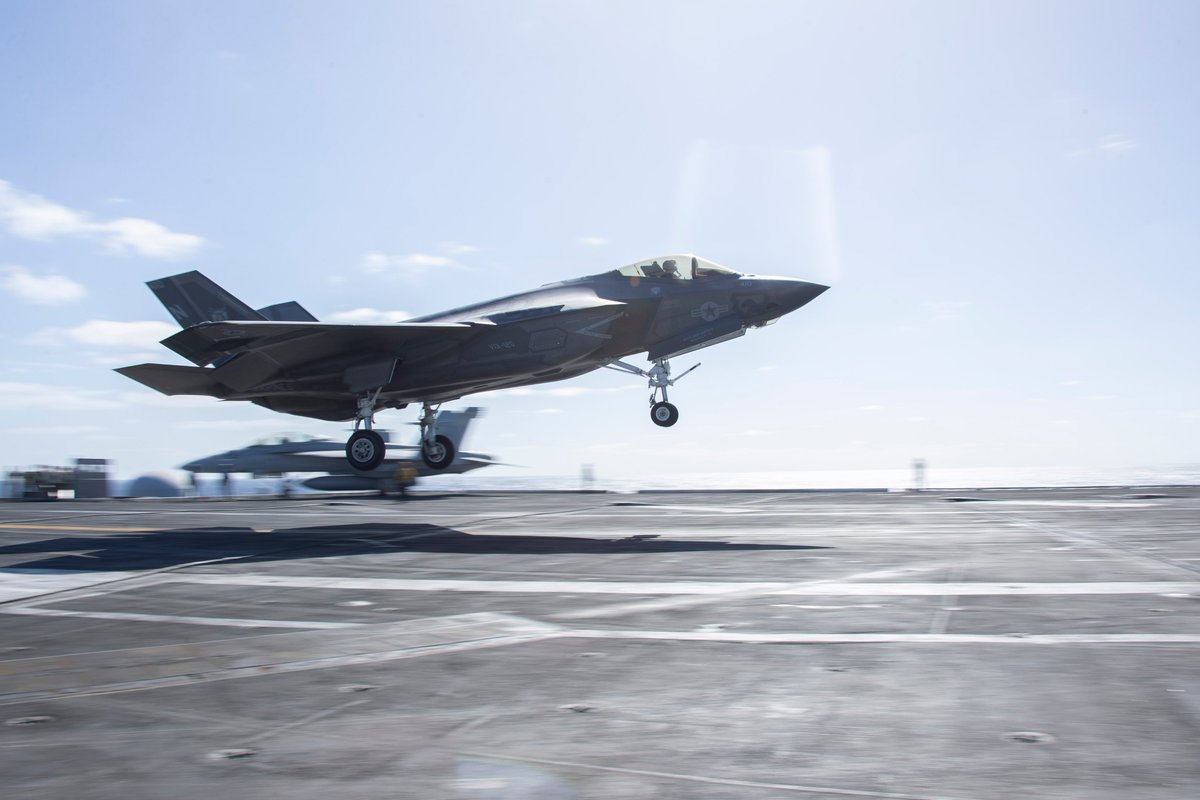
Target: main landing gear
<point>662,413</point>
<point>365,449</point>
<point>437,451</point>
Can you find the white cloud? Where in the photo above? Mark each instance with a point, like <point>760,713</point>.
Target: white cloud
<point>106,333</point>
<point>63,398</point>
<point>1112,145</point>
<point>147,238</point>
<point>423,261</point>
<point>30,216</point>
<point>416,264</point>
<point>40,396</point>
<point>374,261</point>
<point>40,289</point>
<point>410,265</point>
<point>870,408</point>
<point>550,411</point>
<point>367,316</point>
<point>593,241</point>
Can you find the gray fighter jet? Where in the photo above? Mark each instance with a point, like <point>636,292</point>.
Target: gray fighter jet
<point>282,358</point>
<point>301,452</point>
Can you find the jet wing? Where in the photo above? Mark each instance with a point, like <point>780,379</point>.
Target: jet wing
<point>287,343</point>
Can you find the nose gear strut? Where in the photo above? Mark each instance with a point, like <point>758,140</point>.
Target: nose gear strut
<point>662,413</point>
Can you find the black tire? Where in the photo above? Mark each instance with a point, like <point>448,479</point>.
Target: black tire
<point>439,454</point>
<point>365,450</point>
<point>664,414</point>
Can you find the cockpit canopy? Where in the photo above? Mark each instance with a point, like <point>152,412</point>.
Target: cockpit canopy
<point>681,267</point>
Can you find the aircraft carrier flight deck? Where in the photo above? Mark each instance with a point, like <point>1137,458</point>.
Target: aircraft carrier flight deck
<point>973,645</point>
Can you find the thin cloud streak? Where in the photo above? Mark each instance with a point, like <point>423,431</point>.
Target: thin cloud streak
<point>49,290</point>
<point>33,217</point>
<point>140,335</point>
<point>1113,144</point>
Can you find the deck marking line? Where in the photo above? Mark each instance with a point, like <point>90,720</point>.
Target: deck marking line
<point>889,638</point>
<point>783,787</point>
<point>28,526</point>
<point>839,586</point>
<point>226,622</point>
<point>41,678</point>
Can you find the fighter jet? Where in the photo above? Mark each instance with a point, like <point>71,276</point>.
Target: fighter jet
<point>301,452</point>
<point>280,357</point>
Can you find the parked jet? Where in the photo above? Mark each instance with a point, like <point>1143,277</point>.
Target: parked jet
<point>281,358</point>
<point>298,452</point>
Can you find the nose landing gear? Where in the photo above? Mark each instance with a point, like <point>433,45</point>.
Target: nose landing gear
<point>662,413</point>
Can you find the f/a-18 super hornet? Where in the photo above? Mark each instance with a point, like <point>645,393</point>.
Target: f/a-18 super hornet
<point>284,453</point>
<point>280,357</point>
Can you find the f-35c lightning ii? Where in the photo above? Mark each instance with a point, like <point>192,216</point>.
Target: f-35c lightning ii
<point>280,357</point>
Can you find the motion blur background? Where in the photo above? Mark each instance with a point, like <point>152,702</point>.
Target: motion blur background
<point>1002,195</point>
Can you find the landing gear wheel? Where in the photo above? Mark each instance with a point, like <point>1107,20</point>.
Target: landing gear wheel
<point>439,453</point>
<point>664,414</point>
<point>365,450</point>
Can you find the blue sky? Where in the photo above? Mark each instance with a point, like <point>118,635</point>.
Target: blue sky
<point>1003,196</point>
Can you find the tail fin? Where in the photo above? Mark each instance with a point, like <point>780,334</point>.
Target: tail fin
<point>454,424</point>
<point>291,311</point>
<point>192,298</point>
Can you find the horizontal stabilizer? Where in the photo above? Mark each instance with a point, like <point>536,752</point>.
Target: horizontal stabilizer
<point>175,379</point>
<point>192,298</point>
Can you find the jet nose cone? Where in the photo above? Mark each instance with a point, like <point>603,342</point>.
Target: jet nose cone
<point>790,293</point>
<point>779,296</point>
<point>804,291</point>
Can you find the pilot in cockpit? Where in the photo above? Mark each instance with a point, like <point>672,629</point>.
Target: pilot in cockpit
<point>669,268</point>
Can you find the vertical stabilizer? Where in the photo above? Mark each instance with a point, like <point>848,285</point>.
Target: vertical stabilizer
<point>453,424</point>
<point>193,298</point>
<point>291,311</point>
